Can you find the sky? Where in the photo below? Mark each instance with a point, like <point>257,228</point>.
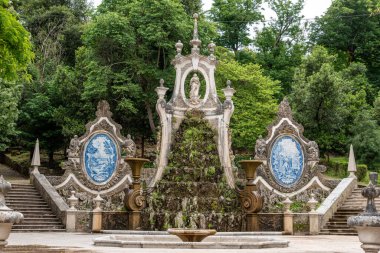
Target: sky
<point>312,8</point>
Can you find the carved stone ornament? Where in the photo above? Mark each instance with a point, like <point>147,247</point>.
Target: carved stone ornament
<point>94,162</point>
<point>173,111</point>
<point>289,159</point>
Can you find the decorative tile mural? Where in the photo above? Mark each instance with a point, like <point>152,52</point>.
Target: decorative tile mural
<point>100,158</point>
<point>286,160</point>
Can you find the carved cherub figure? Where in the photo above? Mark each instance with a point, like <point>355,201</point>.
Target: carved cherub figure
<point>74,148</point>
<point>313,151</point>
<point>260,148</point>
<point>129,147</point>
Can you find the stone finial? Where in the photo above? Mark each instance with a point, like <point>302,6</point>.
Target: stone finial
<point>228,91</point>
<point>178,47</point>
<point>211,49</point>
<point>98,201</point>
<point>5,187</point>
<point>284,110</point>
<point>370,193</point>
<point>161,90</point>
<point>287,202</point>
<point>351,163</point>
<point>195,42</point>
<point>73,201</point>
<point>36,160</point>
<point>103,109</point>
<point>312,202</point>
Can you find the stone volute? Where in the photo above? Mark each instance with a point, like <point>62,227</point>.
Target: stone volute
<point>368,223</point>
<point>7,216</point>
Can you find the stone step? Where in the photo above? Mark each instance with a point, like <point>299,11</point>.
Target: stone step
<point>40,220</point>
<point>337,226</point>
<point>338,233</point>
<point>39,230</point>
<point>339,230</point>
<point>35,226</point>
<point>40,223</point>
<point>38,216</point>
<point>22,195</point>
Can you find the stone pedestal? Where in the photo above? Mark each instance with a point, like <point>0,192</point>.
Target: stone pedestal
<point>134,220</point>
<point>313,223</point>
<point>71,213</point>
<point>252,222</point>
<point>288,223</point>
<point>70,220</point>
<point>97,215</point>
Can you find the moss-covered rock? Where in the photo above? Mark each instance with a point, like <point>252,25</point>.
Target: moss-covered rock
<point>193,191</point>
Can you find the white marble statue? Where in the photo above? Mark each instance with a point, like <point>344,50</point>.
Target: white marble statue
<point>194,91</point>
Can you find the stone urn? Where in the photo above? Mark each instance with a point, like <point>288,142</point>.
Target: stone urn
<point>368,223</point>
<point>7,216</point>
<point>252,201</point>
<point>134,200</point>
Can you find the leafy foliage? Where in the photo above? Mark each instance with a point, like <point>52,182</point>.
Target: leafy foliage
<point>281,44</point>
<point>326,100</point>
<point>16,53</point>
<point>255,103</point>
<point>350,28</point>
<point>15,47</point>
<point>233,18</point>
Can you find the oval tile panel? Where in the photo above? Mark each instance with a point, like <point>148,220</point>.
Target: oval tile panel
<point>100,158</point>
<point>286,160</point>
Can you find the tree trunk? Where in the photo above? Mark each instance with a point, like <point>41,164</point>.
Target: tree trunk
<point>150,117</point>
<point>51,159</point>
<point>142,146</point>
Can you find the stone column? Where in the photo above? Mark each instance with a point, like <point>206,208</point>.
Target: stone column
<point>313,216</point>
<point>71,213</point>
<point>97,215</point>
<point>288,217</point>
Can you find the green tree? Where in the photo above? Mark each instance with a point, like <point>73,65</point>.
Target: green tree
<point>233,18</point>
<point>192,6</point>
<point>128,48</point>
<point>15,46</point>
<point>351,29</point>
<point>255,103</point>
<point>280,44</point>
<point>16,53</point>
<point>326,100</point>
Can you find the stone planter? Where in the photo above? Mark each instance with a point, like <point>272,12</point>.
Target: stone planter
<point>368,223</point>
<point>7,216</point>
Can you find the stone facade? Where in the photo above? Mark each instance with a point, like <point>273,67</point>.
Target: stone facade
<point>95,164</point>
<point>290,161</point>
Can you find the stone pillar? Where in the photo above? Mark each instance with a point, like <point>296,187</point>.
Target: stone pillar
<point>252,222</point>
<point>313,216</point>
<point>71,213</point>
<point>288,217</point>
<point>36,161</point>
<point>97,215</point>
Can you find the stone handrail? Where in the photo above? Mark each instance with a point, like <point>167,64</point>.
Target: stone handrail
<point>336,198</point>
<point>50,195</point>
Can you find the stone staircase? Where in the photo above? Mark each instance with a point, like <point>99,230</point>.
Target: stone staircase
<point>38,216</point>
<point>355,204</point>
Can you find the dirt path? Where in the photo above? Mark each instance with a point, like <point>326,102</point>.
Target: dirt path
<point>12,176</point>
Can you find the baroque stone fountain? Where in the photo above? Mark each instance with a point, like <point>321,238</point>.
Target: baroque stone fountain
<point>368,223</point>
